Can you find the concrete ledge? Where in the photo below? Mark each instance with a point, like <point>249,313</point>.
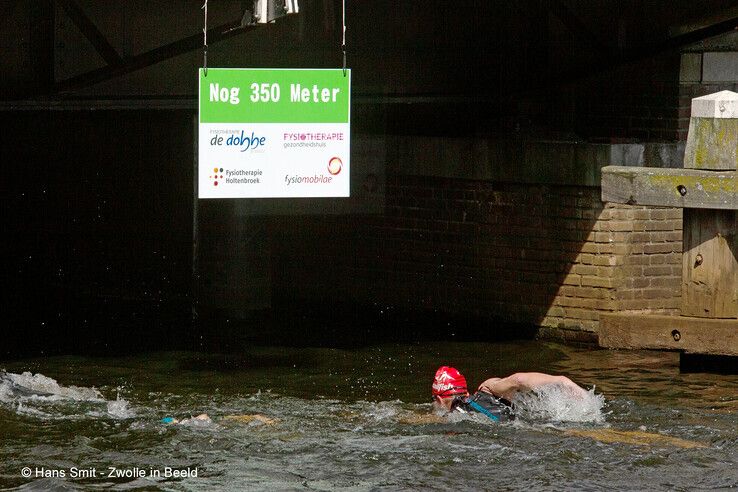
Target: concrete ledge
<point>661,187</point>
<point>661,332</point>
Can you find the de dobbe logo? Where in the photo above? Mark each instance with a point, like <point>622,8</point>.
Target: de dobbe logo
<point>244,141</point>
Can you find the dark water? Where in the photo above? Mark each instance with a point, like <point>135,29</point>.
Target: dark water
<point>357,420</point>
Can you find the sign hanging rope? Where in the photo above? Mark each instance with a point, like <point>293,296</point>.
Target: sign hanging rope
<point>205,40</point>
<point>343,38</point>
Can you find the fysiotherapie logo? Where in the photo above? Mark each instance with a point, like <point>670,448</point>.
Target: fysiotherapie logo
<point>310,139</point>
<point>235,176</point>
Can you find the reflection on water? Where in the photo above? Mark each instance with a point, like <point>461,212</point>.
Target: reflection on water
<point>356,419</point>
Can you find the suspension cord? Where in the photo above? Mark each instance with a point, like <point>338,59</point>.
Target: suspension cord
<point>205,40</point>
<point>343,38</point>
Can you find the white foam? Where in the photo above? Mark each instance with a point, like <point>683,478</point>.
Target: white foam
<point>385,410</point>
<point>119,409</point>
<point>559,404</point>
<point>46,385</point>
<point>40,396</point>
<point>22,409</point>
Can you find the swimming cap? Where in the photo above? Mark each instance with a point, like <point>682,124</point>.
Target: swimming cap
<point>449,382</point>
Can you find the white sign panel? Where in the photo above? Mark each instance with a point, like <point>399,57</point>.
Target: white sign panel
<point>272,133</point>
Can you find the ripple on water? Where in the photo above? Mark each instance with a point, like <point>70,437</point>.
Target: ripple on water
<point>630,438</point>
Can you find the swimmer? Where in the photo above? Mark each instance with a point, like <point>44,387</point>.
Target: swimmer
<point>494,396</point>
<point>204,418</point>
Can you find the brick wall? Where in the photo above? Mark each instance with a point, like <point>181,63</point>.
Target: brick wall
<point>553,256</point>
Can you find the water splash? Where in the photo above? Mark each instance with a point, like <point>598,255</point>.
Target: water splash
<point>119,409</point>
<point>381,411</point>
<point>27,385</point>
<point>39,396</point>
<point>557,403</point>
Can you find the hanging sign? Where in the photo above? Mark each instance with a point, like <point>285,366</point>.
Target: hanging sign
<point>274,133</point>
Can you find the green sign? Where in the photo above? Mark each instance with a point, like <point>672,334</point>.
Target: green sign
<point>232,95</point>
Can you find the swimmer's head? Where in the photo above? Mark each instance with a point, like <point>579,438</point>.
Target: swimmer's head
<point>447,384</point>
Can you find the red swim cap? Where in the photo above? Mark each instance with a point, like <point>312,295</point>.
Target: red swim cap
<point>449,382</point>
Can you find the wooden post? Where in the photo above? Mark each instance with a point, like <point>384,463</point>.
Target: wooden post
<point>710,268</point>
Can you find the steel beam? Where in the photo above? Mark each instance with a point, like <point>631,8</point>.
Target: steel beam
<point>152,57</point>
<point>91,32</point>
<point>41,44</point>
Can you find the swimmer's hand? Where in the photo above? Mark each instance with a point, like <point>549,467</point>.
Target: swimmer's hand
<point>246,419</point>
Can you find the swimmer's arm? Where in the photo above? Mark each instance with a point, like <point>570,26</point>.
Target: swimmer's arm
<point>527,381</point>
<point>245,419</point>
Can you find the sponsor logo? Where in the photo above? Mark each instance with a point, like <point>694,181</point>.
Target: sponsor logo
<point>235,176</point>
<point>314,179</point>
<point>312,137</point>
<point>243,141</point>
<point>216,175</point>
<point>440,387</point>
<point>335,165</point>
<point>443,382</point>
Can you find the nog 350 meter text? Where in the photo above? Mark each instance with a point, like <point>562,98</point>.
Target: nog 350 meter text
<point>272,92</point>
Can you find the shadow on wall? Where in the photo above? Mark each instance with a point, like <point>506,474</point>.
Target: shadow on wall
<point>451,258</point>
